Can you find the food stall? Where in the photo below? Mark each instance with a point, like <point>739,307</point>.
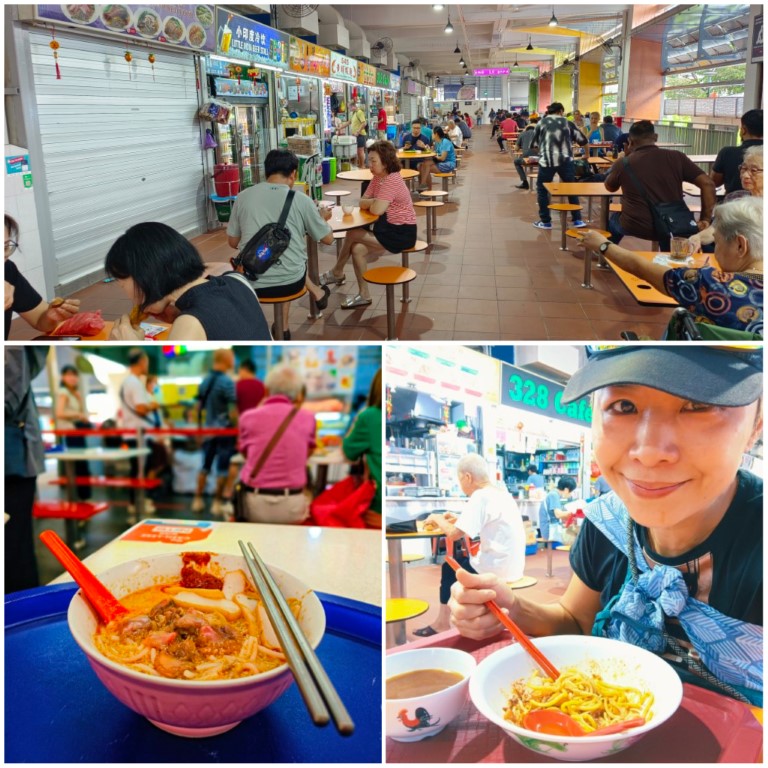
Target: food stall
<point>342,83</point>
<point>363,93</point>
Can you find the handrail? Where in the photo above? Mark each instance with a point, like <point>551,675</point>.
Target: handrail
<point>192,431</point>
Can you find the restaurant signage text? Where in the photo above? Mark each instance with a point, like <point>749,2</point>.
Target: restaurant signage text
<point>184,26</point>
<point>394,82</point>
<point>366,74</point>
<point>382,78</point>
<point>491,72</point>
<point>343,68</point>
<point>309,59</point>
<point>241,38</point>
<point>522,389</point>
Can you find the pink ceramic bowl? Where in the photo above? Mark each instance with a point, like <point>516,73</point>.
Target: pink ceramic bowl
<point>193,708</point>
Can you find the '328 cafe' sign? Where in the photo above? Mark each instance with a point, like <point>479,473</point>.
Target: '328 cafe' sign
<point>523,389</point>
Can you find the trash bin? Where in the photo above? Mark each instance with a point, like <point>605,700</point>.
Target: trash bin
<point>332,166</point>
<point>326,170</point>
<point>223,206</point>
<point>226,179</point>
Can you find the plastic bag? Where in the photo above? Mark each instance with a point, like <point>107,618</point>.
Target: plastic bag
<point>82,324</point>
<point>216,111</point>
<point>343,504</point>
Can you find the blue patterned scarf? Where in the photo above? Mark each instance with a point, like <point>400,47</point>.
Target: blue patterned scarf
<point>730,649</point>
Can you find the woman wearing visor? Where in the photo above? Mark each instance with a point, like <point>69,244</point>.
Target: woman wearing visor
<point>669,427</point>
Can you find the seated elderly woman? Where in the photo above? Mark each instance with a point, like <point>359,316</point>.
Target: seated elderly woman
<point>276,439</point>
<point>751,175</point>
<point>165,276</point>
<point>676,548</point>
<point>729,296</point>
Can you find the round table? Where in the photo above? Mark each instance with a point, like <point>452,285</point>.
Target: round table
<point>407,155</point>
<point>364,174</point>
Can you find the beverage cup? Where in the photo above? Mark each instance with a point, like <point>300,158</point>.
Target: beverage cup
<point>226,39</point>
<point>680,250</point>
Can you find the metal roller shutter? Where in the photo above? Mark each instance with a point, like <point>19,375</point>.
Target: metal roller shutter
<point>117,150</point>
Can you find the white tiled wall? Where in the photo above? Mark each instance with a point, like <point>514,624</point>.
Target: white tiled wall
<point>20,203</point>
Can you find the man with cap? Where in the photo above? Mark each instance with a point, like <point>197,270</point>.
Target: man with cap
<point>662,559</point>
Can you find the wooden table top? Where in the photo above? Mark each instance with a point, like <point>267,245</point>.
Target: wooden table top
<point>366,175</point>
<point>643,292</point>
<point>702,158</point>
<point>108,324</point>
<point>358,218</point>
<point>582,189</point>
<point>410,154</point>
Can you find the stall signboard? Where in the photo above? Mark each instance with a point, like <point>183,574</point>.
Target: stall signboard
<point>229,87</point>
<point>343,68</point>
<point>168,532</point>
<point>394,82</point>
<point>325,370</point>
<point>309,59</point>
<point>455,373</point>
<point>757,39</point>
<point>527,391</point>
<point>382,78</point>
<point>184,26</point>
<point>247,40</point>
<point>491,72</point>
<point>411,87</point>
<point>366,74</point>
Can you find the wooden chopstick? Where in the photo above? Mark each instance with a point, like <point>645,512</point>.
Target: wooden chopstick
<point>311,678</point>
<point>518,633</point>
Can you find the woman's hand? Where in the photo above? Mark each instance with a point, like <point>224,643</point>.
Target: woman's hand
<point>593,240</point>
<point>695,241</point>
<point>124,331</point>
<point>62,312</point>
<point>10,290</point>
<point>469,612</point>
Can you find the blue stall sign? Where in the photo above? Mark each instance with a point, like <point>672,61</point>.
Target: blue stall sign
<point>16,163</point>
<point>247,40</point>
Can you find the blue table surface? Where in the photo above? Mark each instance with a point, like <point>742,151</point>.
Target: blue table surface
<point>56,710</point>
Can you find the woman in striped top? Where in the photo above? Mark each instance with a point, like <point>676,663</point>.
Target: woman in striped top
<point>388,197</point>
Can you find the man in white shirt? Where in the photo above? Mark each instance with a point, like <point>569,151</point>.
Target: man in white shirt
<point>492,515</point>
<point>135,406</point>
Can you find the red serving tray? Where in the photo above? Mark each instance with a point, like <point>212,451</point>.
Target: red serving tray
<point>71,510</point>
<point>707,728</point>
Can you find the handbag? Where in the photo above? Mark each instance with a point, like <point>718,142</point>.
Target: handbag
<point>241,490</point>
<point>673,219</point>
<point>344,503</point>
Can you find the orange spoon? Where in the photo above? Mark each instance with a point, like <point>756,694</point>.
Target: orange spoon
<point>556,723</point>
<point>518,633</point>
<point>103,601</point>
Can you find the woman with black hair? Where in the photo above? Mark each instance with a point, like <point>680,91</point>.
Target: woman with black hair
<point>165,275</point>
<point>71,413</point>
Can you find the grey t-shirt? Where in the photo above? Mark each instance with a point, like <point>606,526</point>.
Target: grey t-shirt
<point>262,204</point>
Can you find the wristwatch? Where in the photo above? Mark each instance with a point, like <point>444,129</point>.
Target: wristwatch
<point>604,247</point>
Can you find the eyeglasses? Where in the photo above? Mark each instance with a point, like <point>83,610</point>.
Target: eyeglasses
<point>750,169</point>
<point>10,247</point>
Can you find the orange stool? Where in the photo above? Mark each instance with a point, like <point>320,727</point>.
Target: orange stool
<point>389,277</point>
<point>419,246</point>
<point>563,209</point>
<point>279,333</point>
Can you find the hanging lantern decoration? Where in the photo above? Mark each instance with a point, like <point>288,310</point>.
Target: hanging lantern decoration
<point>327,89</point>
<point>151,58</point>
<point>235,70</point>
<point>54,46</point>
<point>129,58</point>
<point>298,90</point>
<point>253,73</point>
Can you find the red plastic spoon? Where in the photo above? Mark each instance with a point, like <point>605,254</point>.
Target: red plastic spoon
<point>103,601</point>
<point>556,723</point>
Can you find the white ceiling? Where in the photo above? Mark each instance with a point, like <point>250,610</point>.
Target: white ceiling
<point>487,34</point>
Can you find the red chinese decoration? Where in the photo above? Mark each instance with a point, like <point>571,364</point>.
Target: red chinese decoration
<point>129,58</point>
<point>54,46</point>
<point>253,73</point>
<point>298,89</point>
<point>151,58</point>
<point>235,71</point>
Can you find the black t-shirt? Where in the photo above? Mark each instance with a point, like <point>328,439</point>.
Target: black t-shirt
<point>724,571</point>
<point>227,308</point>
<point>728,161</point>
<point>25,297</point>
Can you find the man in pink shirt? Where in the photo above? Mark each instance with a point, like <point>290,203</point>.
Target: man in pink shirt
<point>276,493</point>
<point>507,127</point>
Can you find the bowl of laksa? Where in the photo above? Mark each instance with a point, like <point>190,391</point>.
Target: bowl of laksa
<point>196,653</point>
<point>425,690</point>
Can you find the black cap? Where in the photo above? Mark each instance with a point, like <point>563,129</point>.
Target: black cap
<point>728,376</point>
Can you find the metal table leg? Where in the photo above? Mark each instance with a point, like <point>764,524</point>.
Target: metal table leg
<point>396,632</point>
<point>313,270</point>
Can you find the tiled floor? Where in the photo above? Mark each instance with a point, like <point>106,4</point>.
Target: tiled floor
<point>422,582</point>
<point>490,275</point>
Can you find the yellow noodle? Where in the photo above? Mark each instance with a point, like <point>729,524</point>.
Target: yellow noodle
<point>587,698</point>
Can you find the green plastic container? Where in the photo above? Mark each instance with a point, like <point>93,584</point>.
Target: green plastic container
<point>223,211</point>
<point>332,163</point>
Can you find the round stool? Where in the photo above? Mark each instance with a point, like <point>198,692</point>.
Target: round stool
<point>279,332</point>
<point>337,194</point>
<point>523,582</point>
<point>444,179</point>
<point>438,194</point>
<point>411,558</point>
<point>615,207</point>
<point>419,246</point>
<point>389,277</point>
<point>579,234</point>
<point>563,209</point>
<point>430,206</point>
<point>338,237</point>
<point>404,608</point>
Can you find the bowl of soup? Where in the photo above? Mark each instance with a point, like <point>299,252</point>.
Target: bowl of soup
<point>196,653</point>
<point>617,682</point>
<point>425,690</point>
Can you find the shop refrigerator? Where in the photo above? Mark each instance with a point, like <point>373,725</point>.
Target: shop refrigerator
<point>243,142</point>
<point>449,449</point>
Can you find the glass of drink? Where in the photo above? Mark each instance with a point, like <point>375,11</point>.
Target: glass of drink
<point>680,250</point>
